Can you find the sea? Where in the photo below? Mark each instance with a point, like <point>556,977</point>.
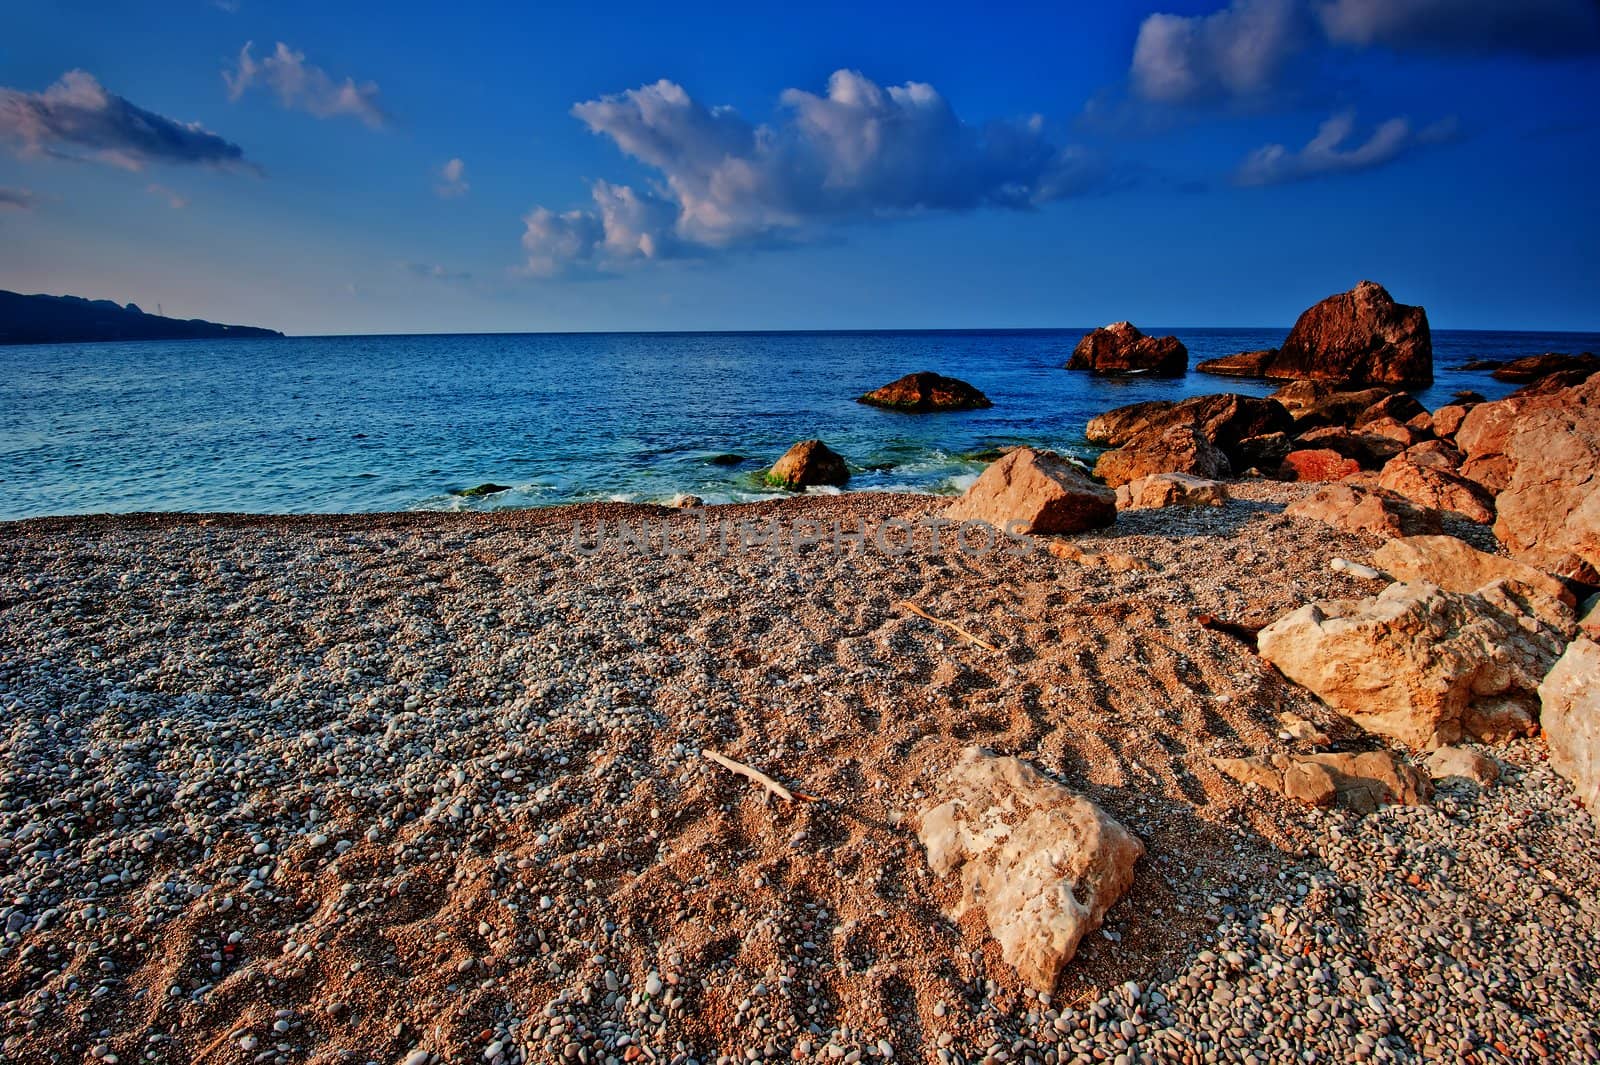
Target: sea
<point>383,423</point>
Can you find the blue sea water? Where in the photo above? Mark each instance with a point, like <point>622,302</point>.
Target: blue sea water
<point>323,424</point>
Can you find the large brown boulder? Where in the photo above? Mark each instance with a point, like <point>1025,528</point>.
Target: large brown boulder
<point>1359,337</point>
<point>1120,348</point>
<point>1176,449</point>
<point>1419,664</point>
<point>808,463</point>
<point>1244,364</point>
<point>1119,425</point>
<point>923,392</point>
<point>1225,419</point>
<point>1436,488</point>
<point>1570,716</point>
<point>1041,863</point>
<point>1549,513</point>
<point>1031,491</point>
<point>1317,464</point>
<point>1336,407</point>
<point>1358,510</point>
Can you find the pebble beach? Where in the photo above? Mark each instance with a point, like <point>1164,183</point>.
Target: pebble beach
<point>417,788</point>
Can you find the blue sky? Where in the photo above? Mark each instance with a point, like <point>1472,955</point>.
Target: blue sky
<point>629,166</point>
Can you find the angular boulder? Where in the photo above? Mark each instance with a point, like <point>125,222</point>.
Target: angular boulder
<point>1570,698</point>
<point>1399,406</point>
<point>1173,490</point>
<point>1177,449</point>
<point>1436,453</point>
<point>1371,451</point>
<point>1438,489</point>
<point>1462,763</point>
<point>1418,664</point>
<point>1317,464</point>
<point>1358,337</point>
<point>1120,348</point>
<point>808,463</point>
<point>925,392</point>
<point>1549,513</point>
<point>1457,566</point>
<point>1447,419</point>
<point>1225,419</point>
<point>1031,491</point>
<point>1336,408</point>
<point>1040,862</point>
<point>1371,513</point>
<point>1359,782</point>
<point>1244,364</point>
<point>1264,453</point>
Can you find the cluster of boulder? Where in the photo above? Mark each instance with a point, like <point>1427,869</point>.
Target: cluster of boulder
<point>1361,337</point>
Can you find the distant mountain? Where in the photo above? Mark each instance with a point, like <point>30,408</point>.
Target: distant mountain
<point>74,320</point>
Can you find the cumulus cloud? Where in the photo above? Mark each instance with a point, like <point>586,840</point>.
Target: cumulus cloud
<point>16,199</point>
<point>1238,51</point>
<point>1539,27</point>
<point>1246,48</point>
<point>175,199</point>
<point>1331,150</point>
<point>77,118</point>
<point>861,151</point>
<point>301,86</point>
<point>452,180</point>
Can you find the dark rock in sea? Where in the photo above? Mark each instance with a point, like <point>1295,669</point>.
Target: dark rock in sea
<point>1482,364</point>
<point>75,320</point>
<point>808,463</point>
<point>988,454</point>
<point>725,460</point>
<point>1468,398</point>
<point>1360,337</point>
<point>488,488</point>
<point>1244,364</point>
<point>925,392</point>
<point>1120,348</point>
<point>1534,367</point>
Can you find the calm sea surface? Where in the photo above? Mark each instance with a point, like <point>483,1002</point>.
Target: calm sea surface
<point>398,422</point>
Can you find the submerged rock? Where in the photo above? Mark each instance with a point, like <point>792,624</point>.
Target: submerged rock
<point>1031,491</point>
<point>1533,367</point>
<point>1120,348</point>
<point>925,392</point>
<point>1042,863</point>
<point>808,463</point>
<point>488,488</point>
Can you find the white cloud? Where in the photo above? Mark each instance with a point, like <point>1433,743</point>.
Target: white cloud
<point>1541,27</point>
<point>1330,152</point>
<point>862,151</point>
<point>77,114</point>
<point>175,200</point>
<point>300,86</point>
<point>1238,51</point>
<point>452,180</point>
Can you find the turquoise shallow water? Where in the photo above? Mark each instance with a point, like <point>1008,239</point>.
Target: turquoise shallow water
<point>324,424</point>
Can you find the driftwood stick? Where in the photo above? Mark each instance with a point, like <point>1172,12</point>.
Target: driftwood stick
<point>952,626</point>
<point>758,776</point>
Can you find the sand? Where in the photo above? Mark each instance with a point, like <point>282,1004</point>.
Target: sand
<point>426,787</point>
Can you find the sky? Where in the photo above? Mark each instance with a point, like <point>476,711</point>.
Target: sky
<point>407,167</point>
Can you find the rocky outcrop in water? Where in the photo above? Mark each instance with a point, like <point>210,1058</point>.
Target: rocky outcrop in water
<point>807,464</point>
<point>1120,348</point>
<point>925,392</point>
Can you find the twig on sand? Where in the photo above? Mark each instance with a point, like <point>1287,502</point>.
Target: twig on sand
<point>758,776</point>
<point>952,626</point>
